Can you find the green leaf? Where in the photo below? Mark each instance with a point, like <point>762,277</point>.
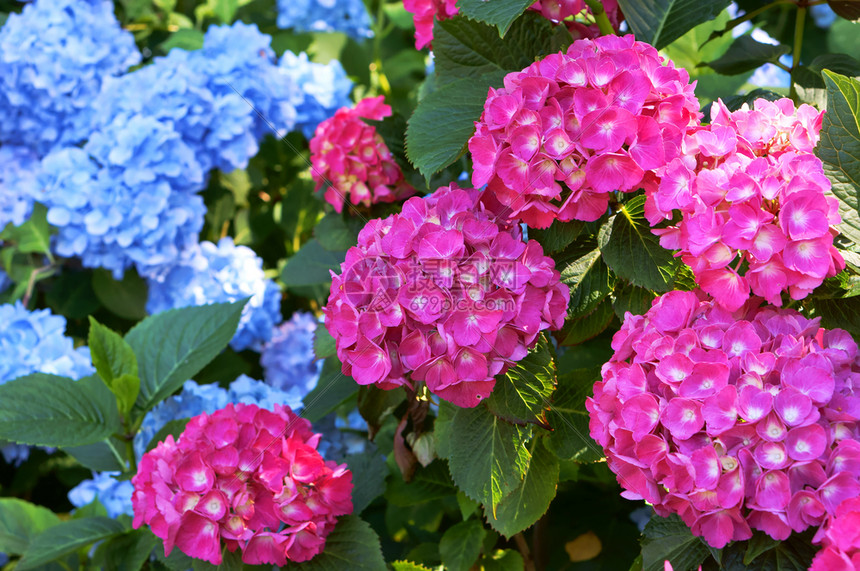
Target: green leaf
<point>503,560</point>
<point>107,455</point>
<point>324,344</point>
<point>522,394</point>
<point>443,122</point>
<point>47,410</point>
<point>66,537</point>
<point>333,233</point>
<point>735,102</point>
<point>498,13</point>
<point>408,566</point>
<point>351,546</point>
<point>558,236</point>
<point>173,428</point>
<point>173,346</point>
<point>112,356</point>
<point>669,539</point>
<point>20,522</point>
<point>580,329</point>
<point>466,49</point>
<point>568,418</point>
<point>225,10</point>
<point>126,552</point>
<point>125,298</point>
<point>793,554</point>
<point>841,313</point>
<point>746,54</point>
<point>460,546</point>
<point>582,268</point>
<point>848,9</point>
<point>427,484</point>
<point>636,300</point>
<point>311,264</point>
<point>375,405</point>
<point>488,455</point>
<point>633,252</point>
<point>531,499</point>
<point>33,236</point>
<point>368,478</point>
<point>839,148</point>
<point>333,388</point>
<point>184,38</point>
<point>660,22</point>
<point>229,562</point>
<point>758,544</point>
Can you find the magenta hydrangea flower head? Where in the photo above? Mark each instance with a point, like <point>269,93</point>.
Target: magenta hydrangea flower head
<point>445,293</point>
<point>558,11</point>
<point>840,539</point>
<point>757,213</point>
<point>350,159</point>
<point>245,475</point>
<point>731,420</point>
<point>565,132</point>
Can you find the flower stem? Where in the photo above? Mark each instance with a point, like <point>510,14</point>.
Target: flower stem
<point>798,43</point>
<point>600,17</point>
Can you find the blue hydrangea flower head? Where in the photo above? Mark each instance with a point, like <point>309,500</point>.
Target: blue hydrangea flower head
<point>347,16</point>
<point>325,88</point>
<point>288,360</point>
<point>212,273</point>
<point>114,495</point>
<point>54,57</point>
<point>196,399</point>
<point>341,438</point>
<point>35,342</point>
<point>217,128</point>
<point>18,184</point>
<point>823,15</point>
<point>238,60</point>
<point>5,281</point>
<point>125,198</point>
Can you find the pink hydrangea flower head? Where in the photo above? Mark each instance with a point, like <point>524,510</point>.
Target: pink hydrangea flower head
<point>352,162</point>
<point>557,11</point>
<point>757,216</point>
<point>247,478</point>
<point>565,132</point>
<point>446,293</point>
<point>840,539</point>
<point>732,420</point>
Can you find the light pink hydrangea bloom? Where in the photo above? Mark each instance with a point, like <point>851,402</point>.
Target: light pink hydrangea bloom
<point>757,213</point>
<point>245,475</point>
<point>443,293</point>
<point>840,539</point>
<point>557,11</point>
<point>351,161</point>
<point>732,421</point>
<point>565,132</point>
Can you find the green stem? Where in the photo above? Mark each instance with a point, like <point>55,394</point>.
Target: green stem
<point>798,43</point>
<point>600,17</point>
<point>129,450</point>
<point>750,15</point>
<point>378,81</point>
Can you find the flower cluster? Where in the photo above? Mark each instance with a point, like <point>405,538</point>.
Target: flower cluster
<point>18,186</point>
<point>54,57</point>
<point>350,159</point>
<point>324,89</point>
<point>289,360</point>
<point>223,272</point>
<point>443,293</point>
<point>731,421</point>
<point>840,537</point>
<point>249,476</point>
<point>557,11</point>
<point>568,130</point>
<point>756,213</point>
<point>35,342</point>
<point>196,399</point>
<point>347,16</point>
<point>113,494</point>
<point>125,198</point>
